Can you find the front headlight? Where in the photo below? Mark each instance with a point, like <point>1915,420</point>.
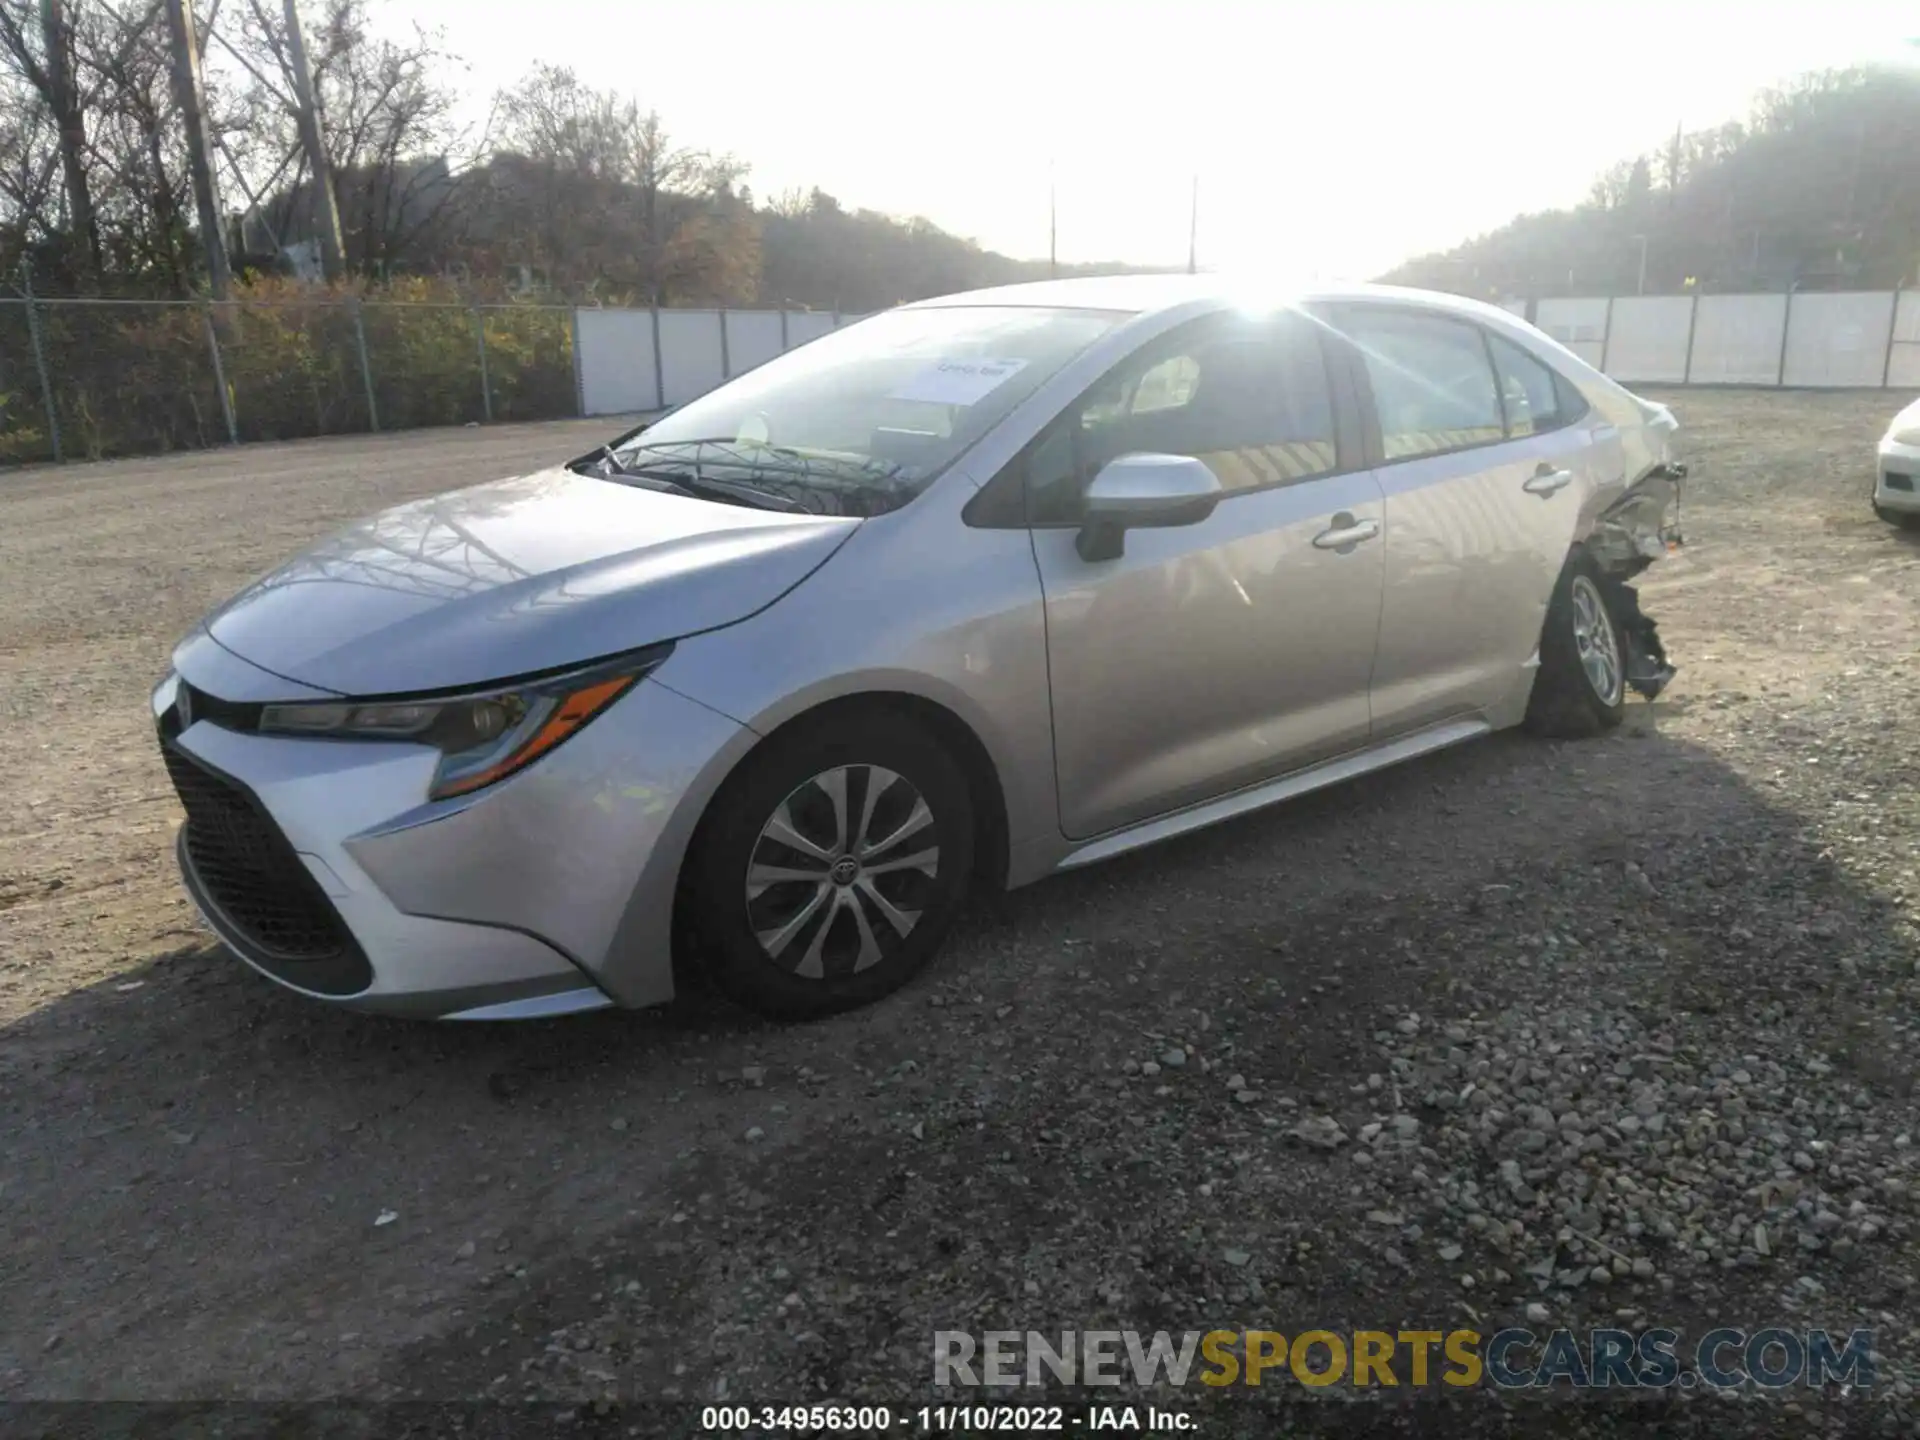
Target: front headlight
<point>483,736</point>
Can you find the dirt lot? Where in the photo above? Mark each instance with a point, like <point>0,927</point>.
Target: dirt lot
<point>1620,1030</point>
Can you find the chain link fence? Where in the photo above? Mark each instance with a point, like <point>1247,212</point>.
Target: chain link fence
<point>92,379</point>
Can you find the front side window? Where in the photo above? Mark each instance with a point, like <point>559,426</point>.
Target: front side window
<point>1433,386</point>
<point>1246,396</point>
<point>861,420</point>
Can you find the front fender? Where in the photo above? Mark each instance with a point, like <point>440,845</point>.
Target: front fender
<point>955,620</point>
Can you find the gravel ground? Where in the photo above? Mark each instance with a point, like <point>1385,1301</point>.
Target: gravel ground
<point>1609,1032</point>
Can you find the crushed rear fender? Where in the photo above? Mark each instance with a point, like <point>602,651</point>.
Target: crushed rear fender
<point>1639,528</point>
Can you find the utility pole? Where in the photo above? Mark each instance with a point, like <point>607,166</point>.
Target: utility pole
<point>1643,264</point>
<point>189,95</point>
<point>1193,230</point>
<point>326,213</point>
<point>1053,226</point>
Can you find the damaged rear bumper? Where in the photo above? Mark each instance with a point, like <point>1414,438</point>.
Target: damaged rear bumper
<point>1641,527</point>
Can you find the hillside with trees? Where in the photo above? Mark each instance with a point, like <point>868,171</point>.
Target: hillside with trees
<point>1818,189</point>
<point>565,193</point>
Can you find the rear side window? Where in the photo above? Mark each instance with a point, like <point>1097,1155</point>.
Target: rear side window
<point>1433,385</point>
<point>1536,400</point>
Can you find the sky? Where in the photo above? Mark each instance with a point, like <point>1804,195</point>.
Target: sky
<point>1329,140</point>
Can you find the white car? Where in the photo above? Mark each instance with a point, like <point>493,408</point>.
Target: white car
<point>1896,488</point>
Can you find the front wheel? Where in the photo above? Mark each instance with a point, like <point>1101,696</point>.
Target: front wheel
<point>832,866</point>
<point>1581,688</point>
<point>1900,519</point>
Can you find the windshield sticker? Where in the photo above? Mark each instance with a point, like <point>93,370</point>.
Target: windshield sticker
<point>958,382</point>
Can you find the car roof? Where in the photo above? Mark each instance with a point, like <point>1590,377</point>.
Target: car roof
<point>1142,294</point>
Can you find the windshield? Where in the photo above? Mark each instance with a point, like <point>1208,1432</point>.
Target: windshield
<point>860,421</point>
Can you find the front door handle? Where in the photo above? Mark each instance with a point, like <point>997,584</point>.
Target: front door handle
<point>1546,481</point>
<point>1346,533</point>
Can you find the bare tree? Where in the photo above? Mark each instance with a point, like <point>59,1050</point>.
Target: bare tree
<point>600,191</point>
<point>29,156</point>
<point>124,57</point>
<point>387,117</point>
<point>37,45</point>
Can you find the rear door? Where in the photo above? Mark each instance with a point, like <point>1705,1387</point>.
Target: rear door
<point>1482,474</point>
<point>1210,656</point>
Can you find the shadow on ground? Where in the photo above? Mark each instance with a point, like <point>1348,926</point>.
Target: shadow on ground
<point>212,1189</point>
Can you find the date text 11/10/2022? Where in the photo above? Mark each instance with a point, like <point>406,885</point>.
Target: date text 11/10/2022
<point>942,1419</point>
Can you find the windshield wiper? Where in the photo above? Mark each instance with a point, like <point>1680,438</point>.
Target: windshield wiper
<point>606,464</point>
<point>813,480</point>
<point>700,488</point>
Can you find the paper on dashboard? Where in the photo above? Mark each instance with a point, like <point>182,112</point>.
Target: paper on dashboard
<point>958,382</point>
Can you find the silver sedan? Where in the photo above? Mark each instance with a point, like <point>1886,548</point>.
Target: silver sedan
<point>971,592</point>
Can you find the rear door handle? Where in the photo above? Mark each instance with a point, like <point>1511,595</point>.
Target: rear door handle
<point>1546,482</point>
<point>1346,533</point>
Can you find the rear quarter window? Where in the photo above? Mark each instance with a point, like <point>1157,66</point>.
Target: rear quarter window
<point>1536,398</point>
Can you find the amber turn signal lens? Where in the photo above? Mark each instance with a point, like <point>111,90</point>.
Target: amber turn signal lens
<point>573,711</point>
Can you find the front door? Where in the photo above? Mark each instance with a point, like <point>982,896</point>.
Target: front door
<point>1209,657</point>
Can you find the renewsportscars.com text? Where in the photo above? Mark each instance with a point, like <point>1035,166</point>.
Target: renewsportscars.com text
<point>1772,1357</point>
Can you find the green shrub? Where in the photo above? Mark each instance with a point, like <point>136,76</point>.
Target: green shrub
<point>140,378</point>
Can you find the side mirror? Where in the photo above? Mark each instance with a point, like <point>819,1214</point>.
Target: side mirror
<point>1137,492</point>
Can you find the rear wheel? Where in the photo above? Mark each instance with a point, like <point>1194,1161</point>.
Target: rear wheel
<point>832,866</point>
<point>1581,687</point>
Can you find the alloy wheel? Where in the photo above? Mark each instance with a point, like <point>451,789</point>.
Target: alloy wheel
<point>842,871</point>
<point>1594,640</point>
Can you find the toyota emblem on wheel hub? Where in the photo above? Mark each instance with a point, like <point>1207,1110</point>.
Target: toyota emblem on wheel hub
<point>844,870</point>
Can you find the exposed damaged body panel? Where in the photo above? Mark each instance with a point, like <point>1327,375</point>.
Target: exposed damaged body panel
<point>1641,527</point>
<point>1637,519</point>
<point>1648,669</point>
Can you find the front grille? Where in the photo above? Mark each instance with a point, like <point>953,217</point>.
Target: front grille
<point>245,869</point>
<point>1899,482</point>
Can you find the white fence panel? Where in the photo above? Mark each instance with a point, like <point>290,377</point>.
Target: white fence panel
<point>1903,365</point>
<point>1515,307</point>
<point>1579,324</point>
<point>753,338</point>
<point>1829,339</point>
<point>690,353</point>
<point>1647,342</point>
<point>1838,338</point>
<point>805,325</point>
<point>696,350</point>
<point>615,361</point>
<point>1736,340</point>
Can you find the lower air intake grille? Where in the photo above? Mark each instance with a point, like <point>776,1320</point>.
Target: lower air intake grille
<point>243,867</point>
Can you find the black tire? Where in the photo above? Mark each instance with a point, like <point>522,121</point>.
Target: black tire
<point>1899,519</point>
<point>786,772</point>
<point>1566,701</point>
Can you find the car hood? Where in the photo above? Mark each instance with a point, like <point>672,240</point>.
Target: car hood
<point>513,577</point>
